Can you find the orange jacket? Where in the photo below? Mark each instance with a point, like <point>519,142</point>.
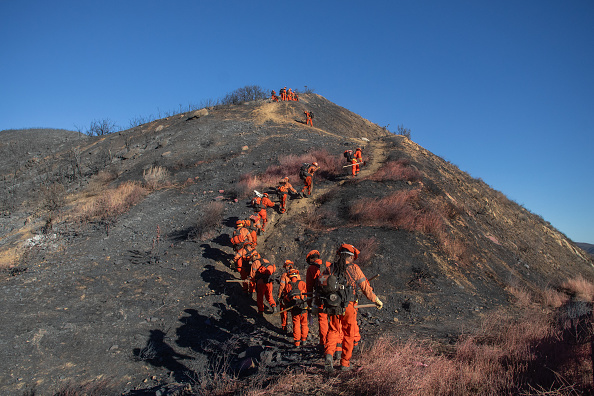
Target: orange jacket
<point>358,156</point>
<point>261,269</point>
<point>356,278</point>
<point>283,281</point>
<point>300,284</point>
<point>241,235</point>
<point>285,188</point>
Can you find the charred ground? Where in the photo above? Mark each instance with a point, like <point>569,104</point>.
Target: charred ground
<point>143,301</point>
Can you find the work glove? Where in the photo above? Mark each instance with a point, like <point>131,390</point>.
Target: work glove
<point>378,303</point>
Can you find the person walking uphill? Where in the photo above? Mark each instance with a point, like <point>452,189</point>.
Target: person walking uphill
<point>306,174</point>
<point>260,204</point>
<point>336,288</point>
<point>357,159</point>
<point>260,275</point>
<point>288,266</point>
<point>313,273</point>
<point>283,189</point>
<point>294,295</point>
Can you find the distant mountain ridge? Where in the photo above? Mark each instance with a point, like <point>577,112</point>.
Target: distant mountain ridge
<point>587,247</point>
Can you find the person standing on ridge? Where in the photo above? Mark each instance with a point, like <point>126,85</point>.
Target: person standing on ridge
<point>283,93</point>
<point>306,174</point>
<point>345,273</point>
<point>283,189</point>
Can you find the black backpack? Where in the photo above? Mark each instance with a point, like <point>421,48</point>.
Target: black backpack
<point>303,173</point>
<point>348,154</point>
<point>311,115</point>
<point>335,294</point>
<point>294,296</point>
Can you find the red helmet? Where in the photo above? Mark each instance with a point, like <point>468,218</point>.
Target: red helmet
<point>348,249</point>
<point>265,195</point>
<point>358,149</point>
<point>311,255</point>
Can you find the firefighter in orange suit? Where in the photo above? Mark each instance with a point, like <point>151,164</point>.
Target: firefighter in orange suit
<point>344,267</point>
<point>289,94</point>
<point>313,273</point>
<point>283,189</point>
<point>288,266</point>
<point>260,205</point>
<point>308,117</point>
<point>308,181</point>
<point>283,93</point>
<point>295,294</point>
<point>273,96</point>
<point>260,277</point>
<point>242,263</point>
<point>241,235</point>
<point>357,159</point>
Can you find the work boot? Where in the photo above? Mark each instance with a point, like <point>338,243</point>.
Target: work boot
<point>275,309</point>
<point>284,329</point>
<point>345,368</point>
<point>328,363</point>
<point>337,355</point>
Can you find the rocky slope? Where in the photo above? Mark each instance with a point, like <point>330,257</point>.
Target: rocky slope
<point>142,301</point>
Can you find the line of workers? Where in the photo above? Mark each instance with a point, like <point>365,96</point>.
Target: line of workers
<point>285,95</point>
<point>338,330</point>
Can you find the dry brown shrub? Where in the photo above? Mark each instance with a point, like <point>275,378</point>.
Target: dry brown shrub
<point>155,176</point>
<point>553,299</point>
<point>111,203</point>
<point>367,247</point>
<point>522,297</point>
<point>100,181</point>
<point>397,170</point>
<point>210,218</point>
<point>579,287</point>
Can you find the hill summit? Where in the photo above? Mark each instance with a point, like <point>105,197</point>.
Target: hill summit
<point>116,252</point>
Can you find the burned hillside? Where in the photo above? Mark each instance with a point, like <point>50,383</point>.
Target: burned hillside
<point>116,250</point>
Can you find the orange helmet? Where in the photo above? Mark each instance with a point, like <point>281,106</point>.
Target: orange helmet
<point>285,179</point>
<point>358,149</point>
<point>314,254</point>
<point>293,272</point>
<point>288,264</point>
<point>265,195</point>
<point>348,249</point>
<point>315,164</point>
<point>239,223</point>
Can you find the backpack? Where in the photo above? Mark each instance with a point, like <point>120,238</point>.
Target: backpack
<point>311,115</point>
<point>349,155</point>
<point>334,294</point>
<point>237,238</point>
<point>303,173</point>
<point>257,204</point>
<point>294,296</point>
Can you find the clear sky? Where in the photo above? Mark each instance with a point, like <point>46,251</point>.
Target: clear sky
<point>503,89</point>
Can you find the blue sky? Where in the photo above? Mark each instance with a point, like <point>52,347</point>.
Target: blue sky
<point>504,90</point>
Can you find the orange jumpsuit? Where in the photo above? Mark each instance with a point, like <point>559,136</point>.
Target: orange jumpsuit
<point>357,159</point>
<point>281,288</point>
<point>265,202</point>
<point>283,190</point>
<point>274,97</point>
<point>283,93</point>
<point>240,235</point>
<point>298,315</point>
<point>290,94</point>
<point>309,179</point>
<point>241,260</point>
<point>313,273</point>
<point>308,120</point>
<point>260,273</point>
<point>348,321</point>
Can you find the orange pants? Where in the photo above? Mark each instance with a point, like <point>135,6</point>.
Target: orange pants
<point>300,327</point>
<point>283,96</point>
<point>309,121</point>
<point>323,324</point>
<point>308,185</point>
<point>264,289</point>
<point>283,315</point>
<point>355,167</point>
<point>348,324</point>
<point>264,217</point>
<point>274,98</point>
<point>244,273</point>
<point>283,207</point>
